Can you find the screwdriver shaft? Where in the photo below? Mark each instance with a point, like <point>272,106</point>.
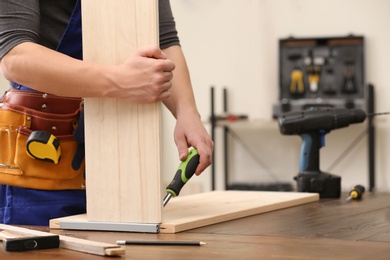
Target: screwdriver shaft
<point>166,199</point>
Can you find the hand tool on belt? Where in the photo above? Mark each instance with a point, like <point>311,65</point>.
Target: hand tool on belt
<point>44,146</point>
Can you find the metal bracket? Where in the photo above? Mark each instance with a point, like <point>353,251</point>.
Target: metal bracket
<point>110,226</point>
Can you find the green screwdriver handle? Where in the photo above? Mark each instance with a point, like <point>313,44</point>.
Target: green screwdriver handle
<point>185,171</point>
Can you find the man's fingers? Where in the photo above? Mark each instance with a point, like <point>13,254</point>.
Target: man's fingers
<point>168,75</point>
<point>204,162</point>
<point>167,66</point>
<point>165,95</point>
<point>152,52</point>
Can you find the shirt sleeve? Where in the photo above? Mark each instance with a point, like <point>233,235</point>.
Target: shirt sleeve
<point>19,22</point>
<point>168,32</point>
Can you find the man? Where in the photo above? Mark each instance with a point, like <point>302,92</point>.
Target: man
<point>40,50</point>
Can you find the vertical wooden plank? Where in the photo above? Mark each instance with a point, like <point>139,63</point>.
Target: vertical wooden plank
<point>122,139</point>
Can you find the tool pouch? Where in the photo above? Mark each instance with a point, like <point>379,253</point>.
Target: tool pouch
<point>21,113</point>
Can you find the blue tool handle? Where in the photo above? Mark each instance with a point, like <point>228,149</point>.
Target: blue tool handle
<point>309,159</point>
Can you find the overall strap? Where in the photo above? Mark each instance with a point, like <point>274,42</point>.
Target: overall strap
<point>71,42</point>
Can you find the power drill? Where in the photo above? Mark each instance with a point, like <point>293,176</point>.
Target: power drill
<point>312,125</point>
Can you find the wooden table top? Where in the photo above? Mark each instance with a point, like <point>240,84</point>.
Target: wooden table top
<point>328,229</point>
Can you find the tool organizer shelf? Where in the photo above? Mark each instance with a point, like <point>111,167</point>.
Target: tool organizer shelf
<point>324,72</point>
<point>216,122</point>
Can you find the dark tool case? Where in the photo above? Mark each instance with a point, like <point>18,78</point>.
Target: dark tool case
<point>321,72</point>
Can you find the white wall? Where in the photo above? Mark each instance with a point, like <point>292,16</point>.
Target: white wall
<point>233,44</point>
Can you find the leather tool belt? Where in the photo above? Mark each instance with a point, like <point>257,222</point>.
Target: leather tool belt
<point>21,113</point>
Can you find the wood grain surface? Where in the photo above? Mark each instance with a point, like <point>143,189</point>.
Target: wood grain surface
<point>325,229</point>
<point>203,209</point>
<point>188,212</point>
<point>122,139</point>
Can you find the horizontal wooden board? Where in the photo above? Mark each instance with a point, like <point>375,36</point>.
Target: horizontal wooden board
<point>188,212</point>
<point>203,209</point>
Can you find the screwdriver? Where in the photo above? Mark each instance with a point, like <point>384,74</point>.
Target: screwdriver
<point>356,193</point>
<point>185,171</point>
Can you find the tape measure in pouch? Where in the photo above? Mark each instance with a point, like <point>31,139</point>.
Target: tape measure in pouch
<point>44,146</point>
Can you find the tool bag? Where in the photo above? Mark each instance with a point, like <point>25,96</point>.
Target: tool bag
<point>21,113</point>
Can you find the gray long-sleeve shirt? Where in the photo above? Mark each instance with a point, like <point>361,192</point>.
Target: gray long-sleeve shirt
<point>44,22</point>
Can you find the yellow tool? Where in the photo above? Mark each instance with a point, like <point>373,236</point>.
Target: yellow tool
<point>43,146</point>
<point>297,85</point>
<point>356,193</point>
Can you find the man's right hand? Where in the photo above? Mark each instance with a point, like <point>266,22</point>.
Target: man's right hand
<point>145,76</point>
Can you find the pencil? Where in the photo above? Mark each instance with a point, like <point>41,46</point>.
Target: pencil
<point>161,243</point>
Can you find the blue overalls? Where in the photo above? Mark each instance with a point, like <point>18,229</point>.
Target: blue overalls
<point>37,207</point>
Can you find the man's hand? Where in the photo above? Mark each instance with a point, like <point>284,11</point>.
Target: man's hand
<point>145,77</point>
<point>190,131</point>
